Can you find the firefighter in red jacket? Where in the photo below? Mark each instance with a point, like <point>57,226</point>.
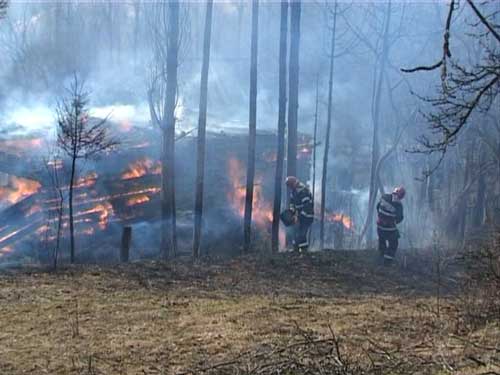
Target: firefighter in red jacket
<point>301,204</point>
<point>390,213</point>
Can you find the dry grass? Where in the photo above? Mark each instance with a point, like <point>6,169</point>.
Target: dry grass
<point>158,318</point>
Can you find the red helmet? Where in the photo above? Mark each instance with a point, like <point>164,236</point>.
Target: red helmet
<point>399,192</point>
<point>291,182</point>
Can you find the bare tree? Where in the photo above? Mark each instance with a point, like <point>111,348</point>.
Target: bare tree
<point>464,90</point>
<point>278,181</point>
<point>293,82</point>
<point>79,137</point>
<point>315,143</point>
<point>328,130</point>
<point>380,68</point>
<point>252,126</point>
<point>202,125</point>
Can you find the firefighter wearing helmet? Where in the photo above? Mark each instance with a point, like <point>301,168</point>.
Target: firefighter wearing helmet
<point>390,213</point>
<point>301,205</point>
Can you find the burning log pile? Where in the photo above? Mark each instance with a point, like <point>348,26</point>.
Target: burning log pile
<point>124,189</point>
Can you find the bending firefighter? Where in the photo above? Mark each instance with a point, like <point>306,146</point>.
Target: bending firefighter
<point>390,213</point>
<point>301,205</point>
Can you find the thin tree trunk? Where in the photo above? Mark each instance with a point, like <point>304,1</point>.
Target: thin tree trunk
<point>70,202</point>
<point>293,105</point>
<point>327,137</point>
<point>168,165</point>
<point>375,117</point>
<point>137,27</point>
<point>202,124</point>
<point>315,138</point>
<point>278,181</point>
<point>252,127</point>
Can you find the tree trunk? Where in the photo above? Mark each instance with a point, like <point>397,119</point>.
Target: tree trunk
<point>252,127</point>
<point>293,105</point>
<point>315,139</point>
<point>278,181</point>
<point>378,83</point>
<point>327,137</point>
<point>137,28</point>
<point>70,202</point>
<point>202,124</point>
<point>168,165</point>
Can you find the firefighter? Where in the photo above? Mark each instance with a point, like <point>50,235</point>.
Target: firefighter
<point>390,213</point>
<point>301,204</point>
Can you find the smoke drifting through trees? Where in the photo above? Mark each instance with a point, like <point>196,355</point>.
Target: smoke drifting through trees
<point>131,70</point>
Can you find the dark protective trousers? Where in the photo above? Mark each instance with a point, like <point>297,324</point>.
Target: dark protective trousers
<point>388,243</point>
<point>301,241</point>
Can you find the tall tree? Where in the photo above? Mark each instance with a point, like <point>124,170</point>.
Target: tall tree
<point>252,126</point>
<point>202,125</point>
<point>293,105</point>
<point>278,181</point>
<point>80,137</point>
<point>3,8</point>
<point>376,107</point>
<point>315,139</point>
<point>328,130</point>
<point>168,238</point>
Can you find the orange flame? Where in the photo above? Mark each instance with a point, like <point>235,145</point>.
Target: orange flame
<point>340,218</point>
<point>86,181</point>
<point>33,210</point>
<point>262,212</point>
<point>6,250</point>
<point>104,209</point>
<point>17,189</point>
<point>140,168</point>
<point>137,200</point>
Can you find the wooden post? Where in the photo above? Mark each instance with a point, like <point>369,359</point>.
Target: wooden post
<point>126,239</point>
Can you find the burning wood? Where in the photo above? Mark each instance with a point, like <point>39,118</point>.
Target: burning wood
<point>87,181</point>
<point>141,168</point>
<point>18,188</point>
<point>137,200</point>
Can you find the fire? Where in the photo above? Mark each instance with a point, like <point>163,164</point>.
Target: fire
<point>137,200</point>
<point>125,126</point>
<point>140,168</point>
<point>17,189</point>
<point>33,210</point>
<point>104,209</point>
<point>42,229</point>
<point>262,212</point>
<point>86,181</point>
<point>6,250</point>
<point>341,218</point>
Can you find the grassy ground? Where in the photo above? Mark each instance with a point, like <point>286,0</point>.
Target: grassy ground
<point>229,315</point>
